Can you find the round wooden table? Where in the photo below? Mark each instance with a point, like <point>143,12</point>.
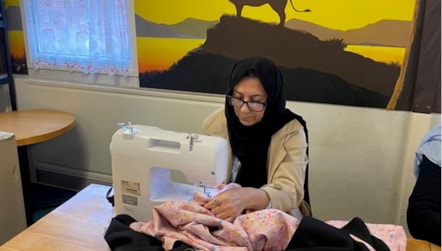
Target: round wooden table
<point>31,127</point>
<point>34,126</point>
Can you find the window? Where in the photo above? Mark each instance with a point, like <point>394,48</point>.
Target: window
<point>92,37</point>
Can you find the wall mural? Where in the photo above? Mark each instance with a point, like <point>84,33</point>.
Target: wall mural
<point>15,36</point>
<point>329,51</point>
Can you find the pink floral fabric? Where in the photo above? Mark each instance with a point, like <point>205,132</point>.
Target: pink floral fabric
<point>267,229</point>
<point>191,223</point>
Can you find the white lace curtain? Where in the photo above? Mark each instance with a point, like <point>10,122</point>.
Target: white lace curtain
<point>91,36</point>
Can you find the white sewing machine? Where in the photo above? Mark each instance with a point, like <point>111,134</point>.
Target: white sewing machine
<point>146,159</point>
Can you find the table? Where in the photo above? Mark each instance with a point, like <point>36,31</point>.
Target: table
<point>31,127</point>
<point>420,245</point>
<point>35,126</point>
<point>78,224</point>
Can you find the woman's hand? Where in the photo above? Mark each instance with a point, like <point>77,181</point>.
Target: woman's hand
<point>227,205</point>
<point>231,202</point>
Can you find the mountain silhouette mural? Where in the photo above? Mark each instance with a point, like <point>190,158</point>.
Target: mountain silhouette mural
<point>313,70</point>
<point>382,33</point>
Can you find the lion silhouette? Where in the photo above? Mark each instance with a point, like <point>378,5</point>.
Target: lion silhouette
<point>277,5</point>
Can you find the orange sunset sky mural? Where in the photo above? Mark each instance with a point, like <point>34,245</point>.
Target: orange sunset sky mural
<point>341,52</point>
<point>155,53</point>
<point>160,54</point>
<point>15,36</point>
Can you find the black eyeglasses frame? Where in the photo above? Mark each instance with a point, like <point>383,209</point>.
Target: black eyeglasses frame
<point>229,100</point>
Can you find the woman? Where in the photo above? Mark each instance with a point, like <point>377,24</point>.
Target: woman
<point>423,211</point>
<point>268,144</point>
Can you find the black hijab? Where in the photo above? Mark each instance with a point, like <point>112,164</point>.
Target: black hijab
<point>250,143</point>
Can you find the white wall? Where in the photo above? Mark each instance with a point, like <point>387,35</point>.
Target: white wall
<point>360,158</point>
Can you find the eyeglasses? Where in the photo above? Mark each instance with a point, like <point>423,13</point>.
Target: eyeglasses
<point>253,106</point>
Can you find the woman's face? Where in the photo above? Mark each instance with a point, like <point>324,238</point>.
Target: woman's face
<point>249,89</point>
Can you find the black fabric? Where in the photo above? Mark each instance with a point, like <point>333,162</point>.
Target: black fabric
<point>315,235</point>
<point>423,212</point>
<point>250,143</point>
<point>120,237</point>
<point>311,235</point>
<point>358,228</point>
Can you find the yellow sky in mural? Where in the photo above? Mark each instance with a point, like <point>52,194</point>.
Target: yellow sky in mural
<point>12,2</point>
<point>334,14</point>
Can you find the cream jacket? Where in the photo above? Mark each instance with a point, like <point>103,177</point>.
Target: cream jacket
<point>287,161</point>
